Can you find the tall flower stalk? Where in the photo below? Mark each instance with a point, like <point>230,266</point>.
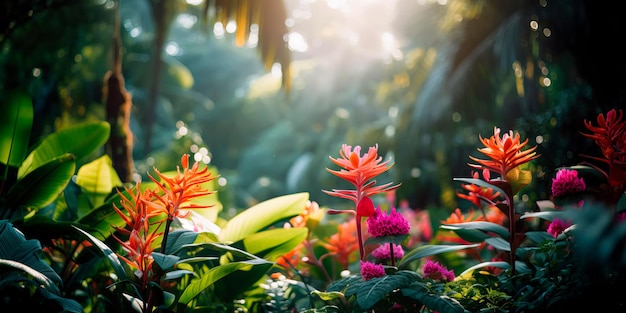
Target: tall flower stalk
<point>505,157</point>
<point>144,213</point>
<point>610,136</point>
<point>360,171</point>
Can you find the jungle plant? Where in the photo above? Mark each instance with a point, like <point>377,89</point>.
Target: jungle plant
<point>76,238</point>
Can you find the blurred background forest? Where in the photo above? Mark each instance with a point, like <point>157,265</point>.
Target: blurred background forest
<point>267,103</point>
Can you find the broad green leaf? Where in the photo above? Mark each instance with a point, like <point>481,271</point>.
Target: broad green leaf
<point>470,235</point>
<point>165,261</point>
<point>14,246</point>
<point>80,140</point>
<point>97,179</point>
<point>262,215</point>
<point>179,238</point>
<point>386,239</point>
<point>213,275</point>
<point>434,302</point>
<point>499,243</point>
<point>16,123</point>
<point>101,220</point>
<point>428,250</point>
<point>327,296</point>
<point>42,279</point>
<point>113,259</point>
<point>538,236</point>
<point>42,186</point>
<point>372,291</point>
<point>466,274</point>
<point>548,215</point>
<point>273,243</point>
<point>480,225</point>
<point>217,249</point>
<point>481,183</point>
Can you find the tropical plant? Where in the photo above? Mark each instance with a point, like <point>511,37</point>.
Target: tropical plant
<point>77,238</point>
<point>541,260</point>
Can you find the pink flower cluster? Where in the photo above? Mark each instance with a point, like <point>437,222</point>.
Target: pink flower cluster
<point>371,270</point>
<point>392,224</point>
<point>436,271</point>
<point>567,182</point>
<point>557,226</point>
<point>383,252</point>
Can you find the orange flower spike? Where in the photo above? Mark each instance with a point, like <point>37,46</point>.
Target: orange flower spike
<point>505,152</point>
<point>359,171</point>
<point>343,244</point>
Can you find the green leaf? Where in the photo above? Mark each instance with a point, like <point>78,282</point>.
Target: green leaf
<point>539,236</point>
<point>481,183</point>
<point>16,123</point>
<point>501,264</point>
<point>165,261</point>
<point>487,227</point>
<point>273,243</point>
<point>80,140</point>
<point>97,179</point>
<point>15,247</point>
<point>372,291</point>
<point>548,215</point>
<point>105,251</point>
<point>263,215</point>
<point>428,250</point>
<point>213,275</point>
<point>179,238</point>
<point>327,296</point>
<point>499,243</point>
<point>434,302</point>
<point>101,220</point>
<point>42,186</point>
<point>386,239</point>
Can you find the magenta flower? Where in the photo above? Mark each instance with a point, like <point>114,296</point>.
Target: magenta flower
<point>392,224</point>
<point>384,253</point>
<point>436,271</point>
<point>567,182</point>
<point>371,270</point>
<point>557,226</point>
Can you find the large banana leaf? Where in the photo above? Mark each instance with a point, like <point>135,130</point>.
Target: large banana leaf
<point>42,186</point>
<point>251,271</point>
<point>80,140</point>
<point>97,179</point>
<point>273,243</point>
<point>262,215</point>
<point>16,122</point>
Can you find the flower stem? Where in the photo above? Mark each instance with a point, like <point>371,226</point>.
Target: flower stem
<point>360,237</point>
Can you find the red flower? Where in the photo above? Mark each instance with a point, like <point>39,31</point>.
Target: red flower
<point>143,235</point>
<point>567,182</point>
<point>477,194</point>
<point>436,271</point>
<point>360,171</point>
<point>371,270</point>
<point>557,226</point>
<point>610,136</point>
<point>177,192</point>
<point>505,153</point>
